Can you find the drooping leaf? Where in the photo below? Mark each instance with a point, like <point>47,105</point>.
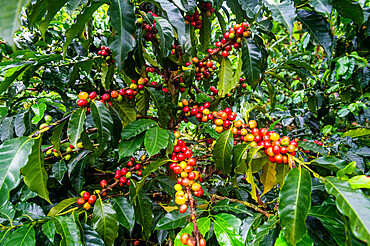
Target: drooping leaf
<point>49,230</point>
<point>281,172</point>
<point>34,173</point>
<point>68,230</point>
<point>52,7</point>
<point>349,9</point>
<point>122,15</point>
<point>295,202</point>
<point>105,222</point>
<point>222,152</point>
<point>203,224</point>
<point>164,105</point>
<point>155,140</point>
<point>13,156</point>
<point>205,32</point>
<point>55,137</point>
<point>253,62</point>
<point>143,212</point>
<point>313,147</point>
<point>61,206</point>
<point>76,169</point>
<point>172,220</point>
<point>9,19</point>
<point>263,231</point>
<point>92,238</point>
<point>318,27</point>
<point>322,6</point>
<point>225,77</point>
<point>153,166</point>
<point>225,233</point>
<point>7,129</point>
<point>142,102</point>
<point>136,127</point>
<point>330,162</point>
<point>283,12</point>
<point>129,147</point>
<point>166,34</point>
<point>125,111</point>
<point>239,153</point>
<point>125,212</point>
<point>103,121</point>
<point>357,133</point>
<point>351,203</point>
<point>23,236</point>
<point>268,177</point>
<point>76,125</point>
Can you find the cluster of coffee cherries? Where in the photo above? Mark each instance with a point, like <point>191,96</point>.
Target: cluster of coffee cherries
<point>184,165</point>
<point>202,113</point>
<point>86,199</point>
<point>213,90</point>
<point>277,148</point>
<point>68,151</point>
<point>242,83</point>
<point>124,175</point>
<point>106,52</point>
<point>207,8</point>
<point>48,121</point>
<point>195,20</point>
<point>234,35</point>
<point>203,69</point>
<point>150,32</point>
<point>176,50</point>
<point>189,240</point>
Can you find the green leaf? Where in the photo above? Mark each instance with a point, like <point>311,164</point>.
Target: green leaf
<point>143,213</point>
<point>68,230</point>
<point>203,224</point>
<point>225,77</point>
<point>153,166</point>
<point>284,13</point>
<point>122,16</point>
<point>331,163</point>
<point>229,219</point>
<point>125,111</point>
<point>103,121</point>
<point>222,152</point>
<point>253,62</point>
<point>23,236</point>
<point>142,102</point>
<point>172,220</point>
<point>225,205</point>
<point>262,231</point>
<point>359,182</point>
<point>92,238</point>
<point>52,7</point>
<point>322,6</point>
<point>295,202</point>
<point>35,176</point>
<point>281,172</point>
<point>239,154</point>
<point>225,233</point>
<point>4,235</point>
<point>49,230</point>
<point>164,105</point>
<point>107,72</point>
<point>272,93</point>
<point>125,212</point>
<point>165,31</point>
<point>7,211</point>
<point>313,147</point>
<point>13,156</point>
<point>250,7</point>
<point>349,9</point>
<point>155,140</point>
<point>79,24</point>
<point>61,206</point>
<point>9,18</point>
<point>349,169</point>
<point>76,125</point>
<point>105,222</point>
<point>318,27</point>
<point>205,32</point>
<point>247,158</point>
<point>136,127</point>
<point>7,129</point>
<point>39,110</point>
<point>268,177</point>
<point>352,203</point>
<point>76,170</point>
<point>357,133</point>
<point>55,137</point>
<point>129,147</point>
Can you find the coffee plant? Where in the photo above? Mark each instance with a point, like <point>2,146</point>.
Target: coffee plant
<point>174,122</point>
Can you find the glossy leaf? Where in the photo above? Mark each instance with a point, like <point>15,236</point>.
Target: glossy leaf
<point>164,105</point>
<point>92,238</point>
<point>268,177</point>
<point>349,9</point>
<point>225,77</point>
<point>313,147</point>
<point>61,206</point>
<point>80,22</point>
<point>226,206</point>
<point>4,235</point>
<point>331,163</point>
<point>55,137</point>
<point>122,14</point>
<point>129,147</point>
<point>222,152</point>
<point>359,182</point>
<point>125,111</point>
<point>172,220</point>
<point>103,121</point>
<point>250,7</point>
<point>136,127</point>
<point>142,102</point>
<point>76,169</point>
<point>322,6</point>
<point>281,172</point>
<point>205,32</point>
<point>351,203</point>
<point>155,140</point>
<point>230,219</point>
<point>23,236</point>
<point>153,166</point>
<point>203,224</point>
<point>253,62</point>
<point>105,222</point>
<point>283,12</point>
<point>7,211</point>
<point>239,154</point>
<point>225,233</point>
<point>143,213</point>
<point>166,34</point>
<point>76,125</point>
<point>318,27</point>
<point>13,156</point>
<point>52,7</point>
<point>68,230</point>
<point>125,212</point>
<point>35,176</point>
<point>263,231</point>
<point>49,229</point>
<point>295,202</point>
<point>357,133</point>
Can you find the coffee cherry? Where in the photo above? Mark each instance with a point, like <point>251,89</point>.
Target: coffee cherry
<point>87,206</point>
<point>81,102</point>
<point>92,199</point>
<point>202,242</point>
<point>106,97</point>
<point>80,201</point>
<point>184,238</point>
<point>83,95</point>
<point>183,208</point>
<point>103,183</point>
<point>86,195</point>
<point>225,53</point>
